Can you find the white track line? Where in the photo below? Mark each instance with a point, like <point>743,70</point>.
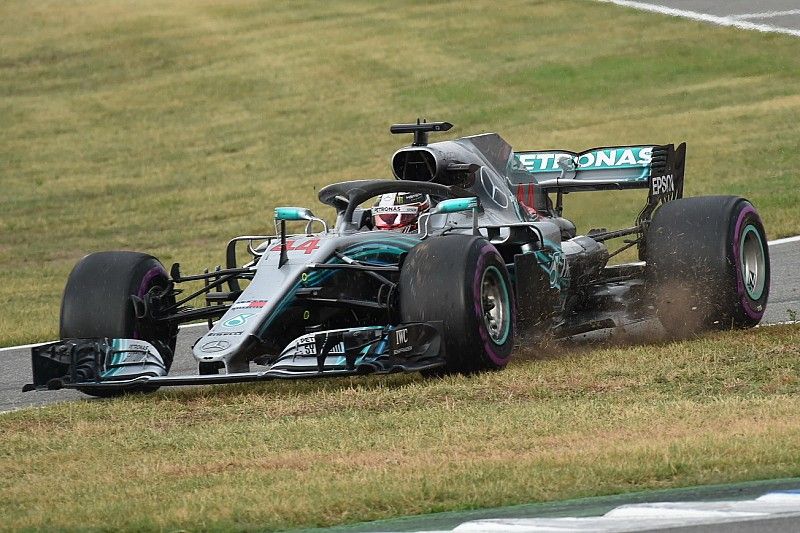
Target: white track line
<point>703,17</point>
<point>785,240</point>
<point>766,14</point>
<point>22,346</point>
<point>777,242</point>
<point>35,344</point>
<point>184,326</point>
<point>784,323</point>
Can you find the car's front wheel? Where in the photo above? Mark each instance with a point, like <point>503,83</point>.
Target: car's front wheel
<point>462,282</point>
<point>97,303</point>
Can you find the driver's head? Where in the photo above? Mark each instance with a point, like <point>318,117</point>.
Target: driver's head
<point>399,211</point>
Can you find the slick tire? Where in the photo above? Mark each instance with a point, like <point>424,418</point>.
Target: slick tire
<point>707,264</point>
<point>462,282</point>
<point>97,303</point>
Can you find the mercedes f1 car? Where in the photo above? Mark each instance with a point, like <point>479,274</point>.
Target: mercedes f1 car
<point>492,261</point>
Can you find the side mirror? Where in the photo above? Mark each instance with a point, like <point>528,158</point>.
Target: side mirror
<point>293,213</point>
<point>290,214</point>
<point>454,205</point>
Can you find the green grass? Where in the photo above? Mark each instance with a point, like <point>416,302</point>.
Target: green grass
<point>564,424</point>
<point>169,127</point>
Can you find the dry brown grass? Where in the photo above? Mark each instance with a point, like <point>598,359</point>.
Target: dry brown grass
<point>592,421</point>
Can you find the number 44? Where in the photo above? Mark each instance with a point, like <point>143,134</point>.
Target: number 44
<point>306,246</point>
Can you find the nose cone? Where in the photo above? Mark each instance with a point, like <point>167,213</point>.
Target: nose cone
<point>210,349</point>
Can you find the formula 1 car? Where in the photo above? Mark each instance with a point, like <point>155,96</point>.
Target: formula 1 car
<point>491,261</point>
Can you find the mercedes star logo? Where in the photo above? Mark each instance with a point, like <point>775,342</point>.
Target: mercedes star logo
<point>215,346</point>
<point>496,191</point>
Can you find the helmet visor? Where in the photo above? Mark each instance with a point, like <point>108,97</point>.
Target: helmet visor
<point>396,216</point>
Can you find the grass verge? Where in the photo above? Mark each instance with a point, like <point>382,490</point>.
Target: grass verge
<point>278,455</point>
<point>169,127</point>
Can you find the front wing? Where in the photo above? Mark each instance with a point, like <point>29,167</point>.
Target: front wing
<point>93,364</point>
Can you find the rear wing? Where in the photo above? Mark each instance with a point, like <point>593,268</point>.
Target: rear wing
<point>657,168</point>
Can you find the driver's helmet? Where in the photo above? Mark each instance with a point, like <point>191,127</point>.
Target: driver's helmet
<point>399,211</point>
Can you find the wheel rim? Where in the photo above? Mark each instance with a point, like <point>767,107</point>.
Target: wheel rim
<point>752,262</point>
<point>495,307</point>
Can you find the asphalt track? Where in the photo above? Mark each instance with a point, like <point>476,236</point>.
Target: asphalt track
<point>772,16</point>
<point>783,301</point>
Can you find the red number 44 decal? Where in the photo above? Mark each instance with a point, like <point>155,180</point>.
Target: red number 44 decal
<point>306,246</point>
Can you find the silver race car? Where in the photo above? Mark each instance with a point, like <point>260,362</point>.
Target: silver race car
<point>442,269</point>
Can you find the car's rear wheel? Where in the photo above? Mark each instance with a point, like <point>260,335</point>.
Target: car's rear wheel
<point>708,264</point>
<point>462,282</point>
<point>97,303</point>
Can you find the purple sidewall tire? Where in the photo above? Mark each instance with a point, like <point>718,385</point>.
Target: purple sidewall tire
<point>749,306</point>
<point>458,281</point>
<point>490,348</point>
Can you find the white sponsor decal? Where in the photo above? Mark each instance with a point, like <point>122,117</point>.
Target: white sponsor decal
<point>597,160</point>
<point>135,357</point>
<point>387,199</point>
<point>307,349</point>
<point>310,348</point>
<point>134,346</point>
<point>662,184</point>
<point>394,209</point>
<point>401,336</point>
